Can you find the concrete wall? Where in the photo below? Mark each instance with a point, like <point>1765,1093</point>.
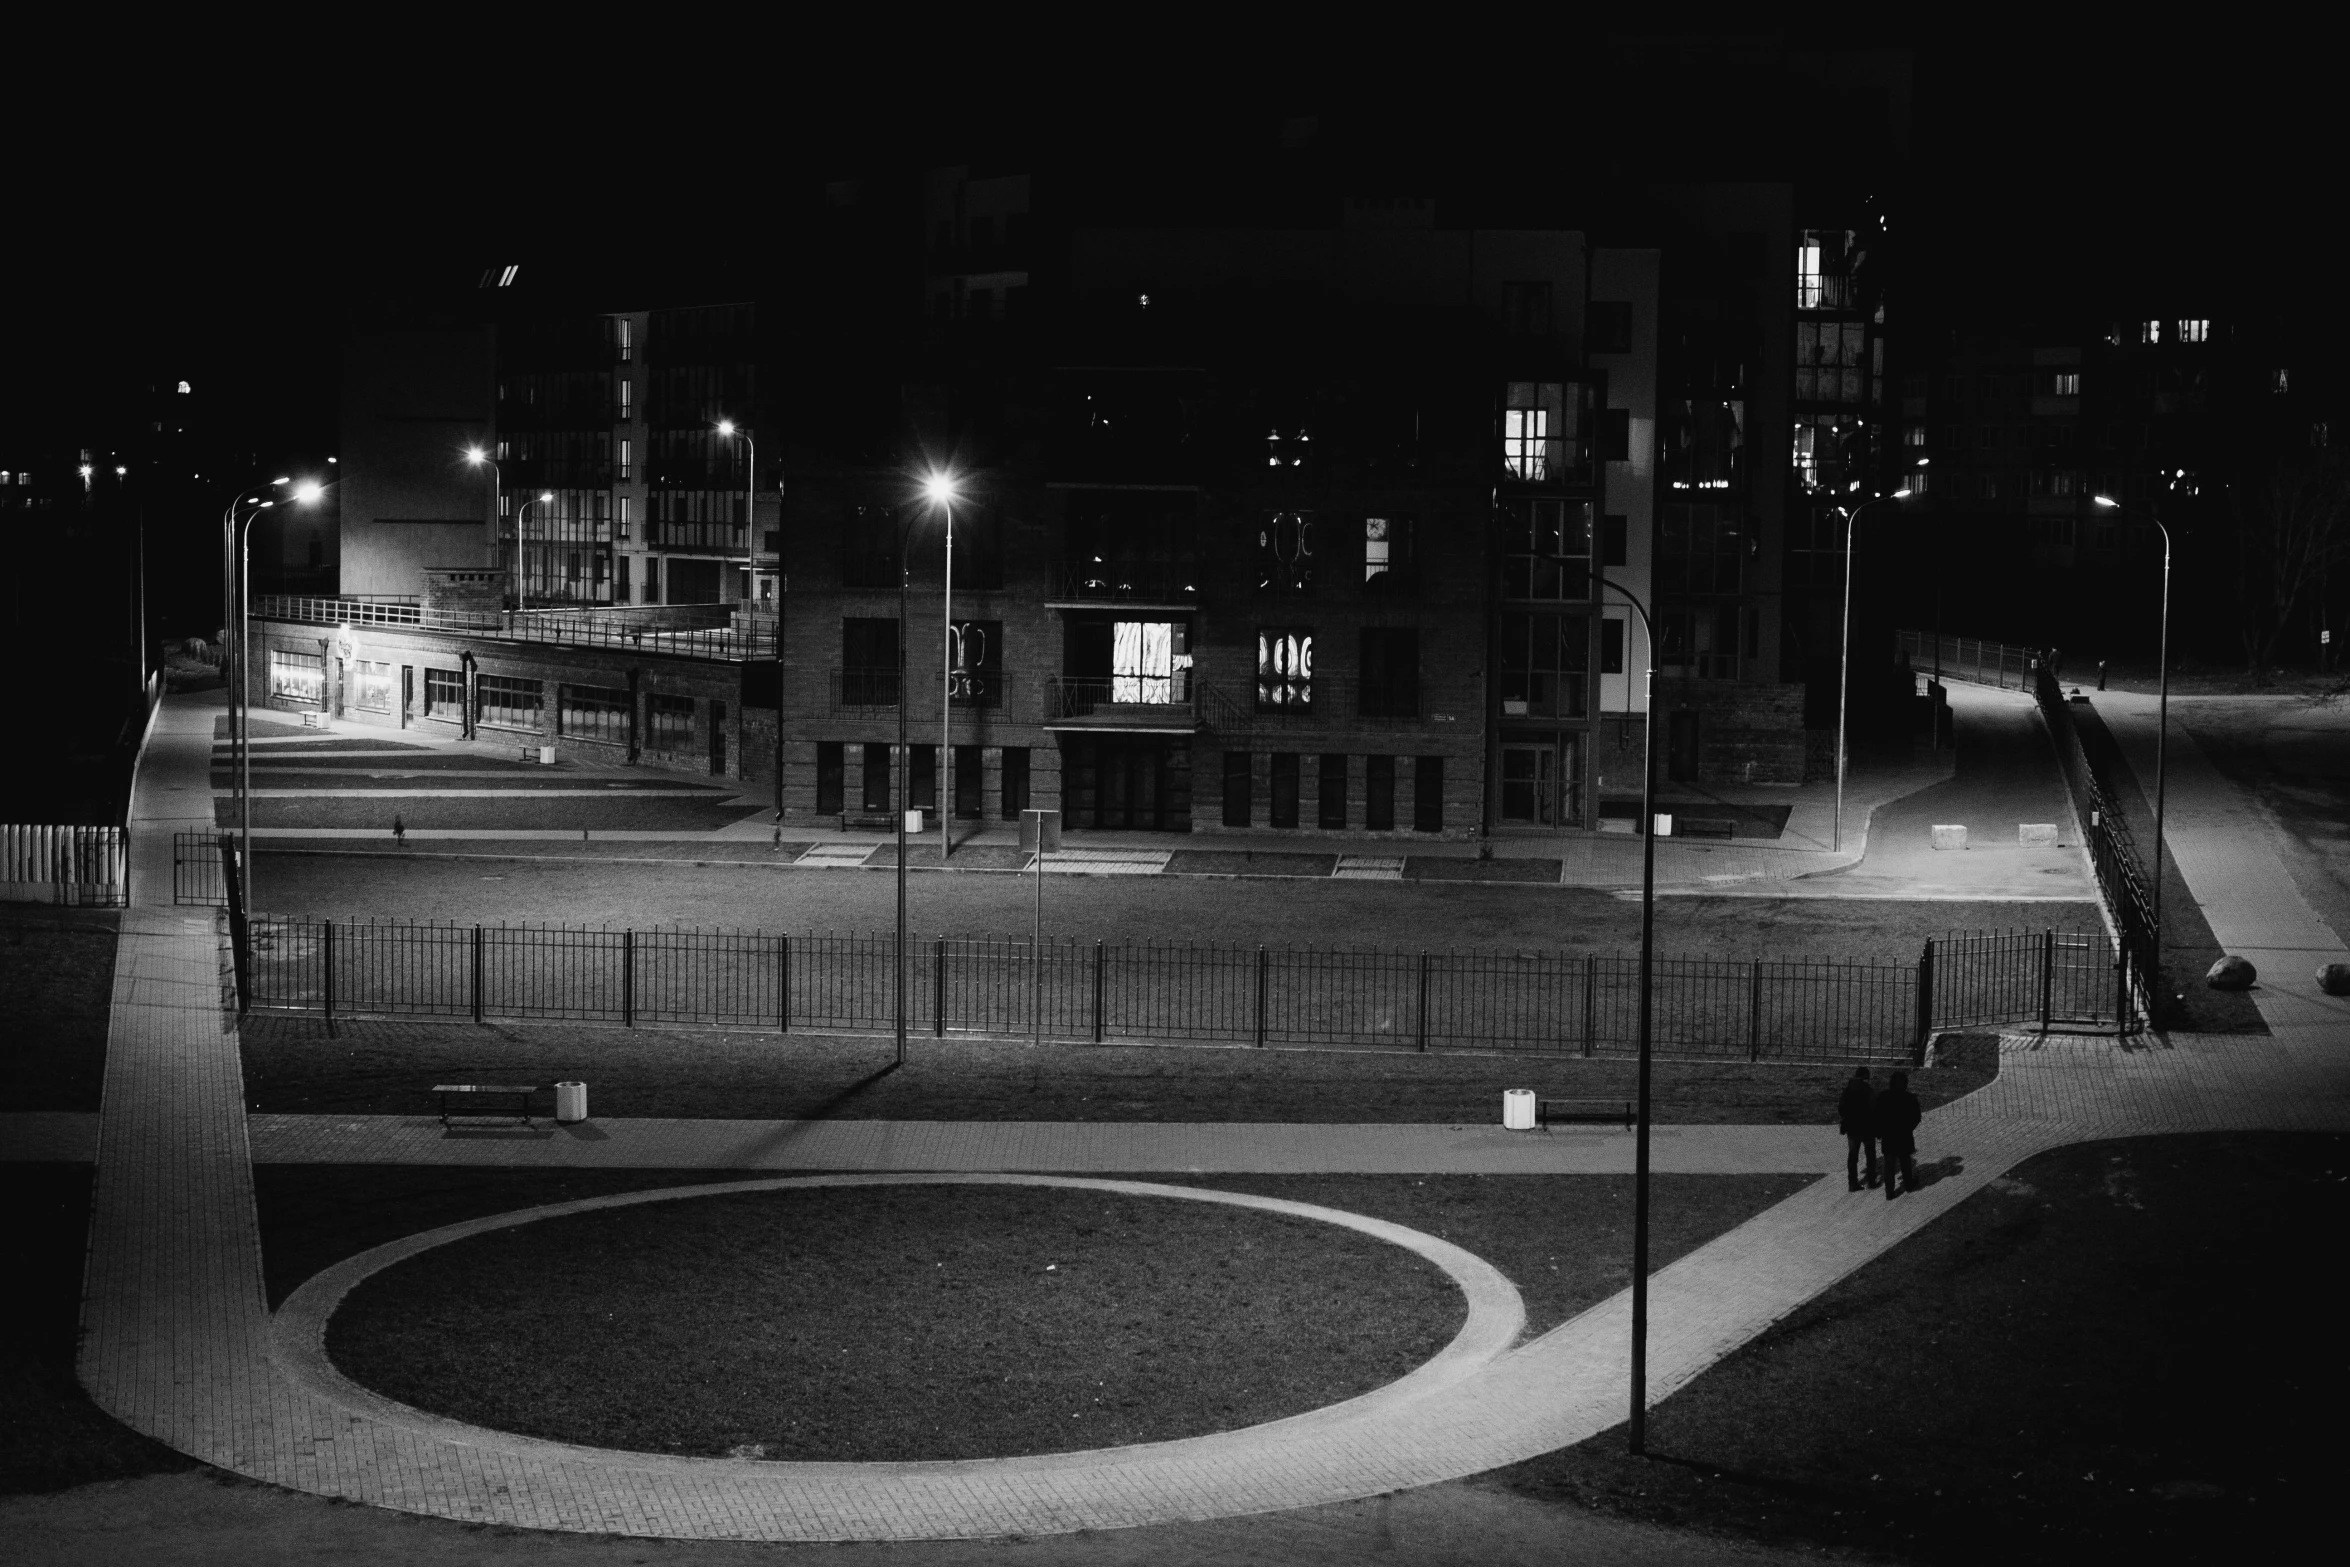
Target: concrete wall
<point>413,399</point>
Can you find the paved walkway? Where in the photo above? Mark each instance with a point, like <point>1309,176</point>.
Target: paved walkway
<point>179,1344</point>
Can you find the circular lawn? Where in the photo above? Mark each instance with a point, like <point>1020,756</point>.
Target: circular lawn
<point>893,1322</point>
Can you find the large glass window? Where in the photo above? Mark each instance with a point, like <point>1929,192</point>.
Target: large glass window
<point>1546,549</point>
<point>297,677</point>
<point>1535,429</point>
<point>1705,443</point>
<point>1703,549</point>
<point>669,723</point>
<point>507,703</point>
<point>1285,668</point>
<point>371,686</point>
<point>1150,661</point>
<point>594,713</point>
<point>1285,552</point>
<point>1544,661</point>
<point>444,694</point>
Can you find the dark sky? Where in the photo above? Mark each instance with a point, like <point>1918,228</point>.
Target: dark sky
<point>204,225</point>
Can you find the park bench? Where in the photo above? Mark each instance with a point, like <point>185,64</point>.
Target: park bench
<point>485,1099</point>
<point>1605,1112</point>
<point>868,823</point>
<point>1704,827</point>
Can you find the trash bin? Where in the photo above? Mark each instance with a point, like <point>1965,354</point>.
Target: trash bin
<point>570,1102</point>
<point>1517,1109</point>
<point>546,756</point>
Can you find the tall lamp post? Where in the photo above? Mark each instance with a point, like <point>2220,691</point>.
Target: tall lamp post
<point>478,458</point>
<point>905,774</point>
<point>940,488</point>
<point>2161,737</point>
<point>733,431</point>
<point>1639,1431</point>
<point>232,624</point>
<point>521,525</point>
<point>1844,658</point>
<point>305,493</point>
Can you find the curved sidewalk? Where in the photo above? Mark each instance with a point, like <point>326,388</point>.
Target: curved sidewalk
<point>178,1340</point>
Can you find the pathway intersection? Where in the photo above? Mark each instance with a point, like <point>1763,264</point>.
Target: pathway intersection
<point>179,1343</point>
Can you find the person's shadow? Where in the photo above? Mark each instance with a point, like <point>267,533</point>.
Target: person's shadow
<point>1940,1169</point>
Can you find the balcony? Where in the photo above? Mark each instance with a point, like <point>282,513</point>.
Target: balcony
<point>1161,584</point>
<point>699,538</point>
<point>1121,704</point>
<point>855,690</point>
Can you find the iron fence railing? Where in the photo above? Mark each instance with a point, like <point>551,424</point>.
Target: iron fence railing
<point>1544,1002</point>
<point>2113,851</point>
<point>711,632</point>
<point>1079,696</point>
<point>195,868</point>
<point>1139,582</point>
<point>1971,659</point>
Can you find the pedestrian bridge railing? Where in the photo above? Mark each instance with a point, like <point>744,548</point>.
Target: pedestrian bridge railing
<point>2001,664</point>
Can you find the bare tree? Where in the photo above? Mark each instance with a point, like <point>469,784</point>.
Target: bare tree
<point>2287,524</point>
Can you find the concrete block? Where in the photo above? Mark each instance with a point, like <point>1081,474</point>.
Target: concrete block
<point>2036,835</point>
<point>2334,979</point>
<point>1950,837</point>
<point>2231,973</point>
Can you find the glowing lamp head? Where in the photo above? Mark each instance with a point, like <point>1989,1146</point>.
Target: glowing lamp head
<point>1901,494</point>
<point>939,487</point>
<point>476,456</point>
<point>726,427</point>
<point>308,491</point>
<point>546,495</point>
<point>2104,500</point>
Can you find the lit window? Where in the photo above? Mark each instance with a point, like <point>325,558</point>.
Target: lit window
<point>1150,661</point>
<point>1285,552</point>
<point>184,386</point>
<point>1285,668</point>
<point>627,390</point>
<point>627,338</point>
<point>624,449</point>
<point>2280,381</point>
<point>2149,331</point>
<point>1532,423</point>
<point>624,508</point>
<point>2194,331</point>
<point>1914,435</point>
<point>2068,383</point>
<point>1377,543</point>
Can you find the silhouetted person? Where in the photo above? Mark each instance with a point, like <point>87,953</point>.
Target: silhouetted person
<point>1898,1114</point>
<point>1856,1112</point>
<point>2101,674</point>
<point>399,831</point>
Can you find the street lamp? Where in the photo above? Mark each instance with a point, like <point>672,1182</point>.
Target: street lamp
<point>478,458</point>
<point>905,770</point>
<point>521,521</point>
<point>232,533</point>
<point>2161,737</point>
<point>1844,659</point>
<point>731,430</point>
<point>1639,1430</point>
<point>940,489</point>
<point>241,537</point>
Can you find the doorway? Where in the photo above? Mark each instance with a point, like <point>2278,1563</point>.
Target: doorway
<point>717,739</point>
<point>1129,784</point>
<point>1681,748</point>
<point>1529,785</point>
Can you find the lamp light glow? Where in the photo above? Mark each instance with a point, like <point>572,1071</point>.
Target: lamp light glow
<point>939,487</point>
<point>2104,500</point>
<point>475,455</point>
<point>726,427</point>
<point>308,491</point>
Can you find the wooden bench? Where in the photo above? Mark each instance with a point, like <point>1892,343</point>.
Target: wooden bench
<point>1603,1112</point>
<point>868,823</point>
<point>474,1099</point>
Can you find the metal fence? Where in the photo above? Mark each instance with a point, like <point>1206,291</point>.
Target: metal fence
<point>2113,851</point>
<point>2000,664</point>
<point>711,632</point>
<point>195,868</point>
<point>1548,1002</point>
<point>71,865</point>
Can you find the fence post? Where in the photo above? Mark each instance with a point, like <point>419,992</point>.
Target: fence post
<point>1590,1002</point>
<point>1101,971</point>
<point>628,979</point>
<point>783,984</point>
<point>938,978</point>
<point>328,965</point>
<point>477,973</point>
<point>1423,1032</point>
<point>1261,971</point>
<point>2047,974</point>
<point>240,933</point>
<point>1754,1012</point>
<point>1925,1001</point>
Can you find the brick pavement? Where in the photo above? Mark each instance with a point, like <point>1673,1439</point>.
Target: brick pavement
<point>178,1342</point>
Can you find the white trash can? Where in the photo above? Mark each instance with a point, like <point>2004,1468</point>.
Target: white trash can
<point>546,756</point>
<point>1517,1109</point>
<point>570,1102</point>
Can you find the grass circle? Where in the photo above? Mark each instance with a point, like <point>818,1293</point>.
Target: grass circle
<point>893,1322</point>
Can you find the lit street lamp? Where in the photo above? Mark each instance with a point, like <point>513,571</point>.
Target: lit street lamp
<point>1639,1430</point>
<point>478,458</point>
<point>940,488</point>
<point>906,764</point>
<point>1844,659</point>
<point>731,430</point>
<point>239,540</point>
<point>522,521</point>
<point>2161,737</point>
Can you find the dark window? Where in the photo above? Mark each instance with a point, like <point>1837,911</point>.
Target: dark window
<point>877,792</point>
<point>1544,659</point>
<point>831,770</point>
<point>1285,552</point>
<point>1285,788</point>
<point>1615,437</point>
<point>1428,794</point>
<point>970,785</point>
<point>669,723</point>
<point>923,776</point>
<point>1525,309</point>
<point>1379,793</point>
<point>1391,672</point>
<point>1238,788</point>
<point>1611,327</point>
<point>595,713</point>
<point>869,547</point>
<point>1546,549</point>
<point>444,694</point>
<point>1015,781</point>
<point>869,662</point>
<point>1703,549</point>
<point>1615,540</point>
<point>1703,443</point>
<point>508,703</point>
<point>1611,647</point>
<point>1333,800</point>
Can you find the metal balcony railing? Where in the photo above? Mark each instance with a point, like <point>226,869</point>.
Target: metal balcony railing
<point>980,690</point>
<point>697,631</point>
<point>1142,582</point>
<point>1081,696</point>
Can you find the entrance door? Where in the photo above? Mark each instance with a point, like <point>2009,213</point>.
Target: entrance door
<point>407,692</point>
<point>717,739</point>
<point>1681,749</point>
<point>969,805</point>
<point>1529,784</point>
<point>1124,784</point>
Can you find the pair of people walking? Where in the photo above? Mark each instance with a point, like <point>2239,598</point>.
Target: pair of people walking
<point>1871,1121</point>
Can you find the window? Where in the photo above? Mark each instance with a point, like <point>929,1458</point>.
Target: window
<point>1390,672</point>
<point>1285,552</point>
<point>1611,647</point>
<point>444,694</point>
<point>652,582</point>
<point>597,713</point>
<point>625,471</point>
<point>2067,383</point>
<point>1285,788</point>
<point>297,677</point>
<point>1331,803</point>
<point>507,703</point>
<point>1379,793</point>
<point>1387,552</point>
<point>1533,431</point>
<point>1544,661</point>
<point>876,793</point>
<point>1287,446</point>
<point>1015,782</point>
<point>1914,435</point>
<point>868,661</point>
<point>1525,309</point>
<point>1704,445</point>
<point>1285,668</point>
<point>1428,794</point>
<point>669,723</point>
<point>2194,331</point>
<point>1703,549</point>
<point>1150,661</point>
<point>1238,781</point>
<point>624,337</point>
<point>1615,438</point>
<point>1830,361</point>
<point>1546,549</point>
<point>831,766</point>
<point>2149,331</point>
<point>2280,380</point>
<point>620,580</point>
<point>627,389</point>
<point>976,677</point>
<point>922,777</point>
<point>1610,329</point>
<point>1615,535</point>
<point>371,686</point>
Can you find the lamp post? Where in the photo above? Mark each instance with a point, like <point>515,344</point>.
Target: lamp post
<point>732,431</point>
<point>478,458</point>
<point>521,523</point>
<point>905,775</point>
<point>1844,658</point>
<point>2161,737</point>
<point>232,626</point>
<point>1639,1426</point>
<point>305,493</point>
<point>940,488</point>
